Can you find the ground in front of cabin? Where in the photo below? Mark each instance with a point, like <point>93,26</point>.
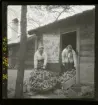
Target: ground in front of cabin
<point>76,91</point>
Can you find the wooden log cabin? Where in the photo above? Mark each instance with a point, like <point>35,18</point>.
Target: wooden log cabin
<point>77,30</point>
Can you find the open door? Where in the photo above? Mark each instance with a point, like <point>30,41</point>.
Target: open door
<point>72,38</point>
<point>66,39</point>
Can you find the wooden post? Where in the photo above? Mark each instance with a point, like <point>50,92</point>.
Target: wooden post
<point>22,54</point>
<point>78,58</point>
<point>60,51</point>
<point>36,43</point>
<point>39,38</point>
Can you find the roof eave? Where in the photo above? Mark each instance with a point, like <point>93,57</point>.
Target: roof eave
<point>52,25</point>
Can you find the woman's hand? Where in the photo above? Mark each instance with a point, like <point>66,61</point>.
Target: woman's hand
<point>35,68</point>
<point>44,67</point>
<point>75,67</point>
<point>63,64</point>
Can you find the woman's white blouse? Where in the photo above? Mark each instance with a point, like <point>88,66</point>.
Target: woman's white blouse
<point>38,56</point>
<point>68,57</point>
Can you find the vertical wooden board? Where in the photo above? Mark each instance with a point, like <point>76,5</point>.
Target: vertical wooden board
<point>36,43</point>
<point>78,57</point>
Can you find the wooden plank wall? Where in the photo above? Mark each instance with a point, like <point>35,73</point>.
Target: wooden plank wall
<point>30,54</point>
<point>13,58</point>
<point>87,53</point>
<point>12,55</point>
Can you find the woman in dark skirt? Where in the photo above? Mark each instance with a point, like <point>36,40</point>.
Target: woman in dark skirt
<point>68,59</point>
<point>40,58</point>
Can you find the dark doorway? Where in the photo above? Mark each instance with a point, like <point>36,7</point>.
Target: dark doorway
<point>68,38</point>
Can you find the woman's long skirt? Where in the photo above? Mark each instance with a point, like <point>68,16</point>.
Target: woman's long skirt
<point>68,67</point>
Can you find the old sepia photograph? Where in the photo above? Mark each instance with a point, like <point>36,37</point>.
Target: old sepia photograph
<point>51,51</point>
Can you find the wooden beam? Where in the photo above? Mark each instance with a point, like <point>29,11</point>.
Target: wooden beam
<point>78,58</point>
<point>60,50</point>
<point>36,43</point>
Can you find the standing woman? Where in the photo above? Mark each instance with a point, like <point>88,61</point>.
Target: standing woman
<point>68,59</point>
<point>40,58</point>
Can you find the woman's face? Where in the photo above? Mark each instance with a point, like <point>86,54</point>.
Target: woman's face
<point>69,49</point>
<point>41,50</point>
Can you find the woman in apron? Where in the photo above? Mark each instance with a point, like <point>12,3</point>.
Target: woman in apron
<point>68,59</point>
<point>40,58</point>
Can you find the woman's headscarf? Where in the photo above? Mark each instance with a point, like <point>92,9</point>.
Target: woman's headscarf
<point>69,46</point>
<point>40,47</point>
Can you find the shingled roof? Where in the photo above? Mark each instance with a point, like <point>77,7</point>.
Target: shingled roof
<point>77,18</point>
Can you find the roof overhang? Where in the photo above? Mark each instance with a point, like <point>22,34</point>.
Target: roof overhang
<point>77,18</point>
<point>17,41</point>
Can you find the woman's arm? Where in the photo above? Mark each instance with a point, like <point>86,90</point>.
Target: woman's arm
<point>75,58</point>
<point>63,57</point>
<point>35,61</point>
<point>45,59</point>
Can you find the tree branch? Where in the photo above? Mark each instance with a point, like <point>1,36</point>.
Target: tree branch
<point>59,15</point>
<point>37,22</point>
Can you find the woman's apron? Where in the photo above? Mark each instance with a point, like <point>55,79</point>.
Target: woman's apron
<point>40,64</point>
<point>69,64</point>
